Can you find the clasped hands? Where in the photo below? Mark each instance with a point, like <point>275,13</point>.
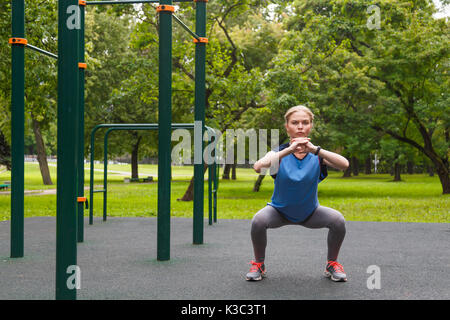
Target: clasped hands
<point>301,145</point>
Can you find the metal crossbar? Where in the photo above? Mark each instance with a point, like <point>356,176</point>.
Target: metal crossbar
<point>129,2</point>
<point>52,55</point>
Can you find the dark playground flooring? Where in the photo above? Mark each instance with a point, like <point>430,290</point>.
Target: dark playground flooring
<point>118,261</point>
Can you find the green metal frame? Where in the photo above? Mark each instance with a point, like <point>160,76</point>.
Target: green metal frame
<point>212,196</point>
<point>70,131</point>
<point>164,132</point>
<point>17,130</point>
<point>199,115</point>
<point>80,193</point>
<point>67,132</point>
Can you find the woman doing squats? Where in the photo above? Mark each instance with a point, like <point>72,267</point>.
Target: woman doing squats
<point>302,166</point>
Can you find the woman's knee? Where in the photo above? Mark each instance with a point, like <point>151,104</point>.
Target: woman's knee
<point>339,221</point>
<point>263,218</point>
<point>259,221</point>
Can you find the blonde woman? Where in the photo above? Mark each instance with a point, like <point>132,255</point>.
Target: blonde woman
<point>302,166</point>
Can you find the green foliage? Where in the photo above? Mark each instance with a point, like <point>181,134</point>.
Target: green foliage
<point>40,71</point>
<point>364,83</point>
<point>365,86</point>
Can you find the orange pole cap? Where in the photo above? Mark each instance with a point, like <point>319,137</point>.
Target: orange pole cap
<point>201,40</point>
<point>165,8</point>
<point>82,65</point>
<point>81,199</point>
<point>18,41</point>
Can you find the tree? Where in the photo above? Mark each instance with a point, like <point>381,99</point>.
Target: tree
<point>40,75</point>
<point>113,91</point>
<point>233,82</point>
<point>399,73</point>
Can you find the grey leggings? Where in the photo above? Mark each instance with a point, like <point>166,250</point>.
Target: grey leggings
<point>322,217</point>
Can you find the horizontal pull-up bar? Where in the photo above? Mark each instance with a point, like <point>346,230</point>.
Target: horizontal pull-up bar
<point>121,126</point>
<point>185,27</point>
<point>130,2</point>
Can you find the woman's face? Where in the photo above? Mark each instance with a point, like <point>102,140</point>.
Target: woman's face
<point>298,125</point>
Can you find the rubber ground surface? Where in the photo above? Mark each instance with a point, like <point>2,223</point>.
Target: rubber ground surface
<point>118,261</point>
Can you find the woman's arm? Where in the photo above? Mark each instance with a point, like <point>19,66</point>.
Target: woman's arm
<point>298,144</point>
<point>271,157</point>
<point>332,159</point>
<point>329,158</point>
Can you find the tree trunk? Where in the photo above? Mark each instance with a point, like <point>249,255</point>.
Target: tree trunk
<point>189,194</point>
<point>355,165</point>
<point>5,152</point>
<point>229,161</point>
<point>441,165</point>
<point>134,159</point>
<point>445,179</point>
<point>410,167</point>
<point>348,172</point>
<point>233,171</point>
<point>441,168</point>
<point>258,183</point>
<point>226,172</point>
<point>397,171</point>
<point>41,153</point>
<point>368,166</point>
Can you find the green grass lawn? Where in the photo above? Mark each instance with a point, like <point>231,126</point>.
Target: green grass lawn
<point>417,198</point>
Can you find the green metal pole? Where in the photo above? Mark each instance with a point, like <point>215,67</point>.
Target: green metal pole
<point>200,96</point>
<point>113,127</point>
<point>91,176</point>
<point>213,178</point>
<point>81,131</point>
<point>125,126</point>
<point>164,134</point>
<point>210,168</point>
<point>68,94</point>
<point>105,172</point>
<point>17,130</point>
<point>216,187</point>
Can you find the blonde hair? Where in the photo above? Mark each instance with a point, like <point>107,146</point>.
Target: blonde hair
<point>298,108</point>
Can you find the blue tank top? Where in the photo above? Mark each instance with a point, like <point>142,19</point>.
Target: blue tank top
<point>296,182</point>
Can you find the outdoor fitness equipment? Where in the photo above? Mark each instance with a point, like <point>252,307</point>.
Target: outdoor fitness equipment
<point>70,133</point>
<point>212,168</point>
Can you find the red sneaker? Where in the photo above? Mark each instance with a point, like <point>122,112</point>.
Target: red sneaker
<point>335,271</point>
<point>257,271</point>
